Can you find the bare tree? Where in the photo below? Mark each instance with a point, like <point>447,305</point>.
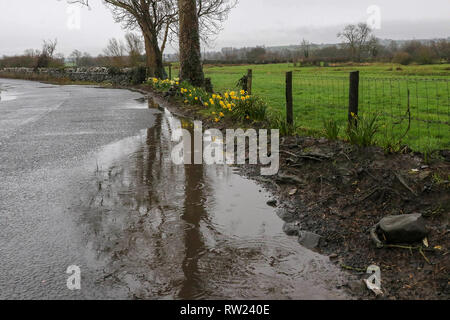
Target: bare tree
<point>134,48</point>
<point>356,38</point>
<point>305,48</point>
<point>49,47</point>
<point>47,53</point>
<point>75,57</point>
<point>115,50</point>
<point>373,47</point>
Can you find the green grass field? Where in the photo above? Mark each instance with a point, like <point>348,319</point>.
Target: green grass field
<point>387,90</point>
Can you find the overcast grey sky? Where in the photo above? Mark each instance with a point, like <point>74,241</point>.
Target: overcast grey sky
<point>25,23</point>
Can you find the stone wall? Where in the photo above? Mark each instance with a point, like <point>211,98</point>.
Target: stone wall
<point>95,74</point>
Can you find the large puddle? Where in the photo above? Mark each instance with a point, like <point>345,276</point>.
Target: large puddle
<point>165,231</point>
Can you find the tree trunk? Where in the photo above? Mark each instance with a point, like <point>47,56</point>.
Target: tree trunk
<point>160,72</point>
<point>154,57</point>
<point>190,56</point>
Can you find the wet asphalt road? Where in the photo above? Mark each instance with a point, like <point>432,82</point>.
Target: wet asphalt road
<point>46,132</point>
<point>86,179</point>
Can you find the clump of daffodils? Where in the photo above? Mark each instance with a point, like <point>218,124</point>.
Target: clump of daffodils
<point>237,105</point>
<point>220,104</point>
<point>162,85</point>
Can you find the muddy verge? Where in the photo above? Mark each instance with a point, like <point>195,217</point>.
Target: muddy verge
<point>339,192</point>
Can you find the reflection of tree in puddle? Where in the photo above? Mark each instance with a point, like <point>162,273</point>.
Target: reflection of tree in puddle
<point>145,215</point>
<point>154,227</point>
<point>194,212</point>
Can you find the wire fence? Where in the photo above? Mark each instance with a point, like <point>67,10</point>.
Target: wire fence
<point>415,112</point>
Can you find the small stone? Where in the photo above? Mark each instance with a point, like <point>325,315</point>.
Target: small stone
<point>287,216</point>
<point>272,203</point>
<point>333,256</point>
<point>308,239</point>
<point>291,229</point>
<point>406,228</point>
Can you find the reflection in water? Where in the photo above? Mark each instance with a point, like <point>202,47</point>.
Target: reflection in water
<point>194,213</point>
<point>162,231</point>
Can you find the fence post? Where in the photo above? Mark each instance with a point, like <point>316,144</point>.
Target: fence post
<point>289,99</point>
<point>170,71</point>
<point>249,81</point>
<point>353,98</point>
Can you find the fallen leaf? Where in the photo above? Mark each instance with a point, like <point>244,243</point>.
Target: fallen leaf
<point>425,242</point>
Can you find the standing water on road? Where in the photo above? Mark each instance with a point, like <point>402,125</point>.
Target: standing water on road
<point>87,179</point>
<point>193,231</point>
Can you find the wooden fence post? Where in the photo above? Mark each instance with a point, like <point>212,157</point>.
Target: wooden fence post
<point>353,98</point>
<point>170,71</point>
<point>249,81</point>
<point>289,99</point>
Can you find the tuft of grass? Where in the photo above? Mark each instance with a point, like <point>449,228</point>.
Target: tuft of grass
<point>278,121</point>
<point>331,129</point>
<point>253,108</point>
<point>362,131</point>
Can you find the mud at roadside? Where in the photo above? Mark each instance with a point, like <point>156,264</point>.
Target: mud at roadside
<point>339,191</point>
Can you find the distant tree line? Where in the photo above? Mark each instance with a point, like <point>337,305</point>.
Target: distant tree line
<point>420,52</point>
<point>118,53</point>
<point>358,45</point>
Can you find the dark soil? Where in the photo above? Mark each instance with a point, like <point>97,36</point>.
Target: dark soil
<point>343,190</point>
<point>346,190</point>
